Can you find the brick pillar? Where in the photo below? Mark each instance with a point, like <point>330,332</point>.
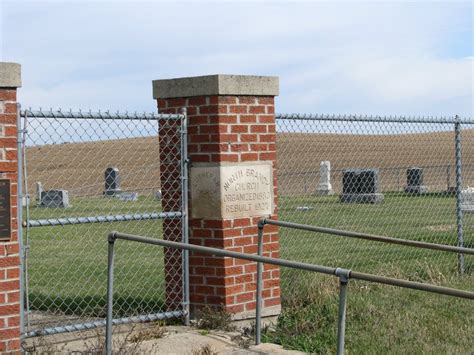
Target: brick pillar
<point>10,80</point>
<point>232,151</point>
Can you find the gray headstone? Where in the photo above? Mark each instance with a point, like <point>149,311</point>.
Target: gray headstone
<point>361,186</point>
<point>415,181</point>
<point>112,182</point>
<point>55,199</point>
<point>467,200</point>
<point>324,187</point>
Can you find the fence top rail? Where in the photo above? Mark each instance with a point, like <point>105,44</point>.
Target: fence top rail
<point>371,237</point>
<point>373,118</point>
<point>113,236</point>
<point>102,115</point>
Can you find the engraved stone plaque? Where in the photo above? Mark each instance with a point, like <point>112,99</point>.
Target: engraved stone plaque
<point>232,191</point>
<point>5,211</point>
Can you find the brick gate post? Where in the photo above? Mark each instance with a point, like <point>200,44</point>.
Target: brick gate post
<point>10,80</point>
<point>232,185</point>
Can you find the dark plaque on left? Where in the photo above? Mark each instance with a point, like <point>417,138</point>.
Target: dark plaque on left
<point>5,210</point>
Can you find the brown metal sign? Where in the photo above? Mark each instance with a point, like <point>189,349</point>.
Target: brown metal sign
<point>5,210</point>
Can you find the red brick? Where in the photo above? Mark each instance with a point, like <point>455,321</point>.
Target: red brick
<point>238,109</point>
<point>14,346</point>
<point>271,302</point>
<point>7,94</point>
<point>7,119</point>
<point>239,129</point>
<point>266,100</point>
<point>10,107</point>
<point>258,129</point>
<point>217,224</point>
<point>9,310</point>
<point>13,321</point>
<point>200,158</point>
<point>267,156</point>
<point>225,157</point>
<point>242,222</point>
<point>248,138</point>
<point>256,109</point>
<point>13,273</point>
<point>179,102</point>
<point>245,297</point>
<point>9,261</point>
<point>213,129</point>
<point>197,101</point>
<point>249,156</point>
<point>267,137</point>
<point>248,119</point>
<point>266,119</point>
<point>236,308</point>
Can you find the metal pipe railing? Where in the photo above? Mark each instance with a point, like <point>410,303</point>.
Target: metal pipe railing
<point>343,275</point>
<point>372,118</point>
<point>102,115</point>
<point>371,237</point>
<point>100,219</point>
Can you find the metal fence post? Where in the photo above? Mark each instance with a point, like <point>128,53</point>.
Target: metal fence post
<point>20,218</point>
<point>258,307</point>
<point>341,324</point>
<point>459,214</point>
<point>185,217</point>
<point>110,294</point>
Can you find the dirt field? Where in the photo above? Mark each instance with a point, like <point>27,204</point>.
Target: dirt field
<point>79,167</point>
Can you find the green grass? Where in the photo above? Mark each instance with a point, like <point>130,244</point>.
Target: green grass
<point>67,272</point>
<point>67,265</point>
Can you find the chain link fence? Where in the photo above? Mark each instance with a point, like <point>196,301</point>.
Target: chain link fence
<point>381,175</point>
<point>85,175</point>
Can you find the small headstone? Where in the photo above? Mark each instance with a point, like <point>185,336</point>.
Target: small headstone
<point>304,208</point>
<point>158,195</point>
<point>55,199</point>
<point>324,187</point>
<point>25,200</point>
<point>467,200</point>
<point>361,186</point>
<point>415,181</point>
<point>112,182</point>
<point>39,190</point>
<point>127,196</point>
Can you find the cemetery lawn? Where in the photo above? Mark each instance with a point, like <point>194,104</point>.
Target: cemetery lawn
<point>67,269</point>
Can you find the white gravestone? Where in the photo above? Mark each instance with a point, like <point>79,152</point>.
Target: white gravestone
<point>39,190</point>
<point>467,200</point>
<point>325,187</point>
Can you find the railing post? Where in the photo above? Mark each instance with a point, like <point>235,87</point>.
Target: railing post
<point>258,306</point>
<point>459,214</point>
<point>110,294</point>
<point>341,324</point>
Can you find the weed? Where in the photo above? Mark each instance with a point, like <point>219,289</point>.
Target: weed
<point>215,318</point>
<point>204,350</point>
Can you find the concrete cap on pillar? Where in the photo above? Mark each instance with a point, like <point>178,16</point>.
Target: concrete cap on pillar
<point>10,75</point>
<point>210,85</point>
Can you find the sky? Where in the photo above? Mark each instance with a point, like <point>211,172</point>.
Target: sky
<point>387,58</point>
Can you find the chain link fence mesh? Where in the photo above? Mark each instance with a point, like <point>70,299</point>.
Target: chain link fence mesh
<point>388,176</point>
<point>102,172</point>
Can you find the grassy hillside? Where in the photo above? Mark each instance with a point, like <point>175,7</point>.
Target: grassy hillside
<point>79,167</point>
